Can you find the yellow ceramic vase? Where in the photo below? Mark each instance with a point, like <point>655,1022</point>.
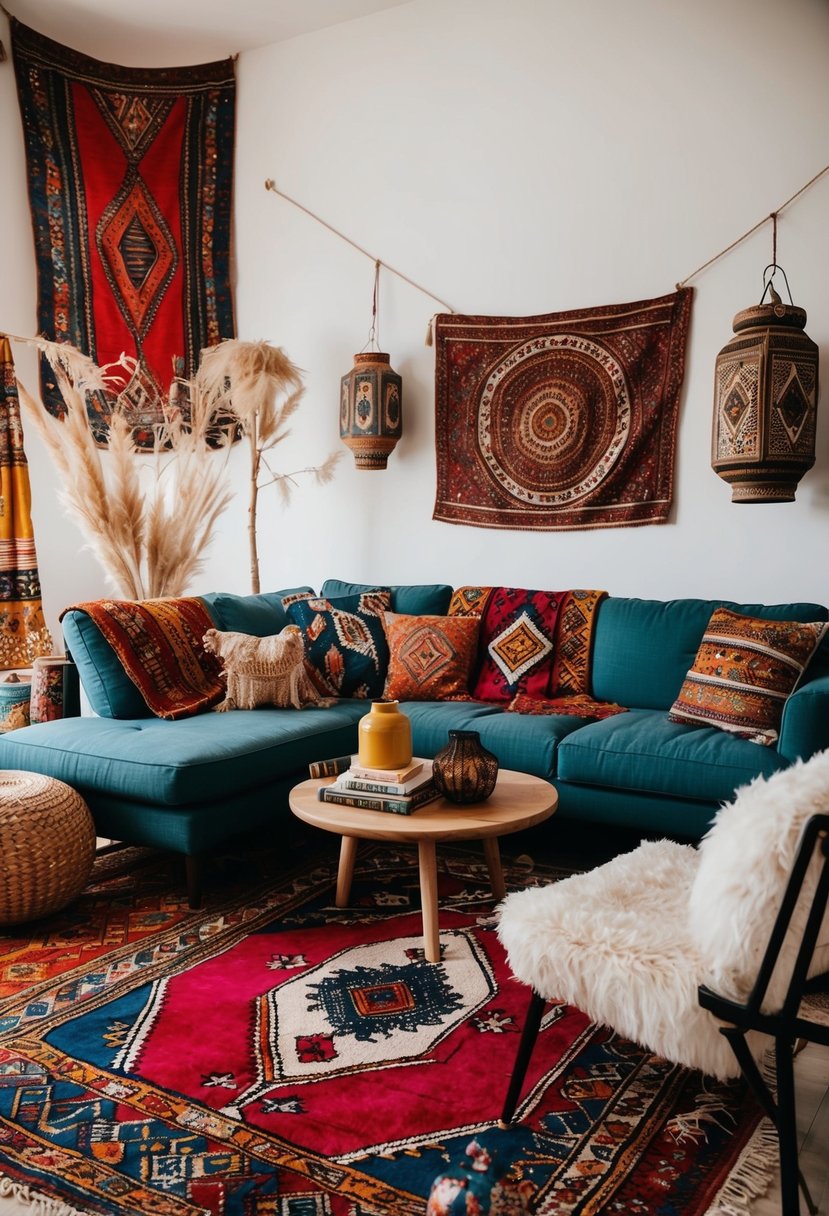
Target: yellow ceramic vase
<point>385,737</point>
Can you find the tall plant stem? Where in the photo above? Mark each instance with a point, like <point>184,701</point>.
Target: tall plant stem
<point>255,456</point>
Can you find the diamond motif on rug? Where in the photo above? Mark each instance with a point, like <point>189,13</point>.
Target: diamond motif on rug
<point>520,647</point>
<point>137,251</point>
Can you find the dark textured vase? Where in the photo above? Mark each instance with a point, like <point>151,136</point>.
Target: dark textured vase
<point>464,770</point>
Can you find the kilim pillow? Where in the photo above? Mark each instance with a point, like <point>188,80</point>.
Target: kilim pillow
<point>346,652</point>
<point>745,670</point>
<point>516,644</point>
<point>430,657</point>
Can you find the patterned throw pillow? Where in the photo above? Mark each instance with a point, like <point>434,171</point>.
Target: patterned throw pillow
<point>430,656</point>
<point>745,670</point>
<point>469,601</point>
<point>516,644</point>
<point>345,642</point>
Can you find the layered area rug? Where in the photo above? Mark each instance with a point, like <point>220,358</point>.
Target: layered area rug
<point>272,1055</point>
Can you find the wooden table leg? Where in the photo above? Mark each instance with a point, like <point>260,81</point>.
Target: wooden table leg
<point>492,854</point>
<point>427,858</point>
<point>345,872</point>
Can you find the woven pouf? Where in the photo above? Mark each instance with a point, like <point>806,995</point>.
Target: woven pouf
<point>47,845</point>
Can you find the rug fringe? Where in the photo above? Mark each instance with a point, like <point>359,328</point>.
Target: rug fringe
<point>757,1164</point>
<point>38,1205</point>
<point>752,1176</point>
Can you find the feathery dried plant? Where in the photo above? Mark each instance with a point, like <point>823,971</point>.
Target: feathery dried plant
<point>150,540</point>
<point>257,386</point>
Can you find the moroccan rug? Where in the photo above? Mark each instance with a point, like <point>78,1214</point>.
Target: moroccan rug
<point>563,421</point>
<point>271,1054</point>
<point>130,182</point>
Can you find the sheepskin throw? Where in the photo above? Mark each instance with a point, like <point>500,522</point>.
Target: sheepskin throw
<point>159,644</point>
<point>629,942</point>
<point>264,671</point>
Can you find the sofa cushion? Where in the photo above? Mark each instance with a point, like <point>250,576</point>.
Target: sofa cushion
<point>528,745</point>
<point>109,690</point>
<point>430,657</point>
<point>259,615</point>
<point>417,599</point>
<point>744,672</point>
<point>187,762</point>
<point>642,649</point>
<point>641,750</point>
<point>346,651</point>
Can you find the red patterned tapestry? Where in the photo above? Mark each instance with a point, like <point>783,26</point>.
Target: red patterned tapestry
<point>130,183</point>
<point>159,643</point>
<point>563,421</point>
<point>23,633</point>
<point>273,1055</point>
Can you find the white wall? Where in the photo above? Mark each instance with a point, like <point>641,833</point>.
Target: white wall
<point>514,159</point>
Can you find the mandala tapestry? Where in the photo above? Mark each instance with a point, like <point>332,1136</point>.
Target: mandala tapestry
<point>563,421</point>
<point>130,181</point>
<point>23,633</point>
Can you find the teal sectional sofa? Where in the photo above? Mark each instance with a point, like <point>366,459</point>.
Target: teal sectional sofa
<point>188,785</point>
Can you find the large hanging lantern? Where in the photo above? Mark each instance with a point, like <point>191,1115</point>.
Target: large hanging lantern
<point>371,401</point>
<point>765,400</point>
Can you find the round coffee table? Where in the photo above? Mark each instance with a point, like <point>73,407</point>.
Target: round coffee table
<point>518,801</point>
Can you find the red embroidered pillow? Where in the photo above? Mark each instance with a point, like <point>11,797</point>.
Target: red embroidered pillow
<point>745,670</point>
<point>430,657</point>
<point>516,644</point>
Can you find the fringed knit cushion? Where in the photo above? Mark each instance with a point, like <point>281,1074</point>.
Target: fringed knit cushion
<point>264,671</point>
<point>745,670</point>
<point>346,652</point>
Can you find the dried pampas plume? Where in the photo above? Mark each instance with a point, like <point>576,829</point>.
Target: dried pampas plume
<point>260,389</point>
<point>151,538</point>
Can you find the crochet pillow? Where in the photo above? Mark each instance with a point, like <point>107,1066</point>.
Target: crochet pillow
<point>430,657</point>
<point>346,653</point>
<point>516,646</point>
<point>745,670</point>
<point>263,670</point>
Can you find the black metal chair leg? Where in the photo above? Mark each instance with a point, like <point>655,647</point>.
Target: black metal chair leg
<point>790,1177</point>
<point>529,1034</point>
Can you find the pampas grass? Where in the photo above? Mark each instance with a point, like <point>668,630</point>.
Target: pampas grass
<point>258,386</point>
<point>150,539</point>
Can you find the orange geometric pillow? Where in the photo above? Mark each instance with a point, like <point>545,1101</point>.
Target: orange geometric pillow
<point>430,657</point>
<point>745,670</point>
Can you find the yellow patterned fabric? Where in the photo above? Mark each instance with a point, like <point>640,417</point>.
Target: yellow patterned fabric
<point>469,601</point>
<point>745,670</point>
<point>574,643</point>
<point>23,633</point>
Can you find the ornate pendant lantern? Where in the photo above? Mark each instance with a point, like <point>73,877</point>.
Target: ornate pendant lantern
<point>371,400</point>
<point>765,400</point>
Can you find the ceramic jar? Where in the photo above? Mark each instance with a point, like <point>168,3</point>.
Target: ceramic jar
<point>464,770</point>
<point>384,737</point>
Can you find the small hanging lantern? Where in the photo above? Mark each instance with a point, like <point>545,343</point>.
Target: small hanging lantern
<point>765,400</point>
<point>371,399</point>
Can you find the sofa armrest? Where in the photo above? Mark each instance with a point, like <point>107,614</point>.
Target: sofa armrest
<point>805,726</point>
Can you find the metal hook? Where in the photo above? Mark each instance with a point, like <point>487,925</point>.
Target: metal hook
<point>773,267</point>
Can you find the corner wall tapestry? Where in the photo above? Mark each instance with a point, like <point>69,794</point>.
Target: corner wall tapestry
<point>130,185</point>
<point>23,633</point>
<point>563,421</point>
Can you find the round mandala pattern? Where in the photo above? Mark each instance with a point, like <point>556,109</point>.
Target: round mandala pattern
<point>548,440</point>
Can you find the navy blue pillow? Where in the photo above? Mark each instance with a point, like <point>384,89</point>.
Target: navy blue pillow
<point>346,651</point>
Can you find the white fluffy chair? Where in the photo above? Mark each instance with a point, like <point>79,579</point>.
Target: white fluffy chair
<point>638,943</point>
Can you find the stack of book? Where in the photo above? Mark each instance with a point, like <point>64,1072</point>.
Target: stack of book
<point>400,791</point>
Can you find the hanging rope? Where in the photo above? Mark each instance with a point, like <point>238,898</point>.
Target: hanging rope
<point>270,184</point>
<point>771,216</point>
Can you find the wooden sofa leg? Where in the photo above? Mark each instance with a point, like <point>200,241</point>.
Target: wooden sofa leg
<point>529,1034</point>
<point>195,872</point>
